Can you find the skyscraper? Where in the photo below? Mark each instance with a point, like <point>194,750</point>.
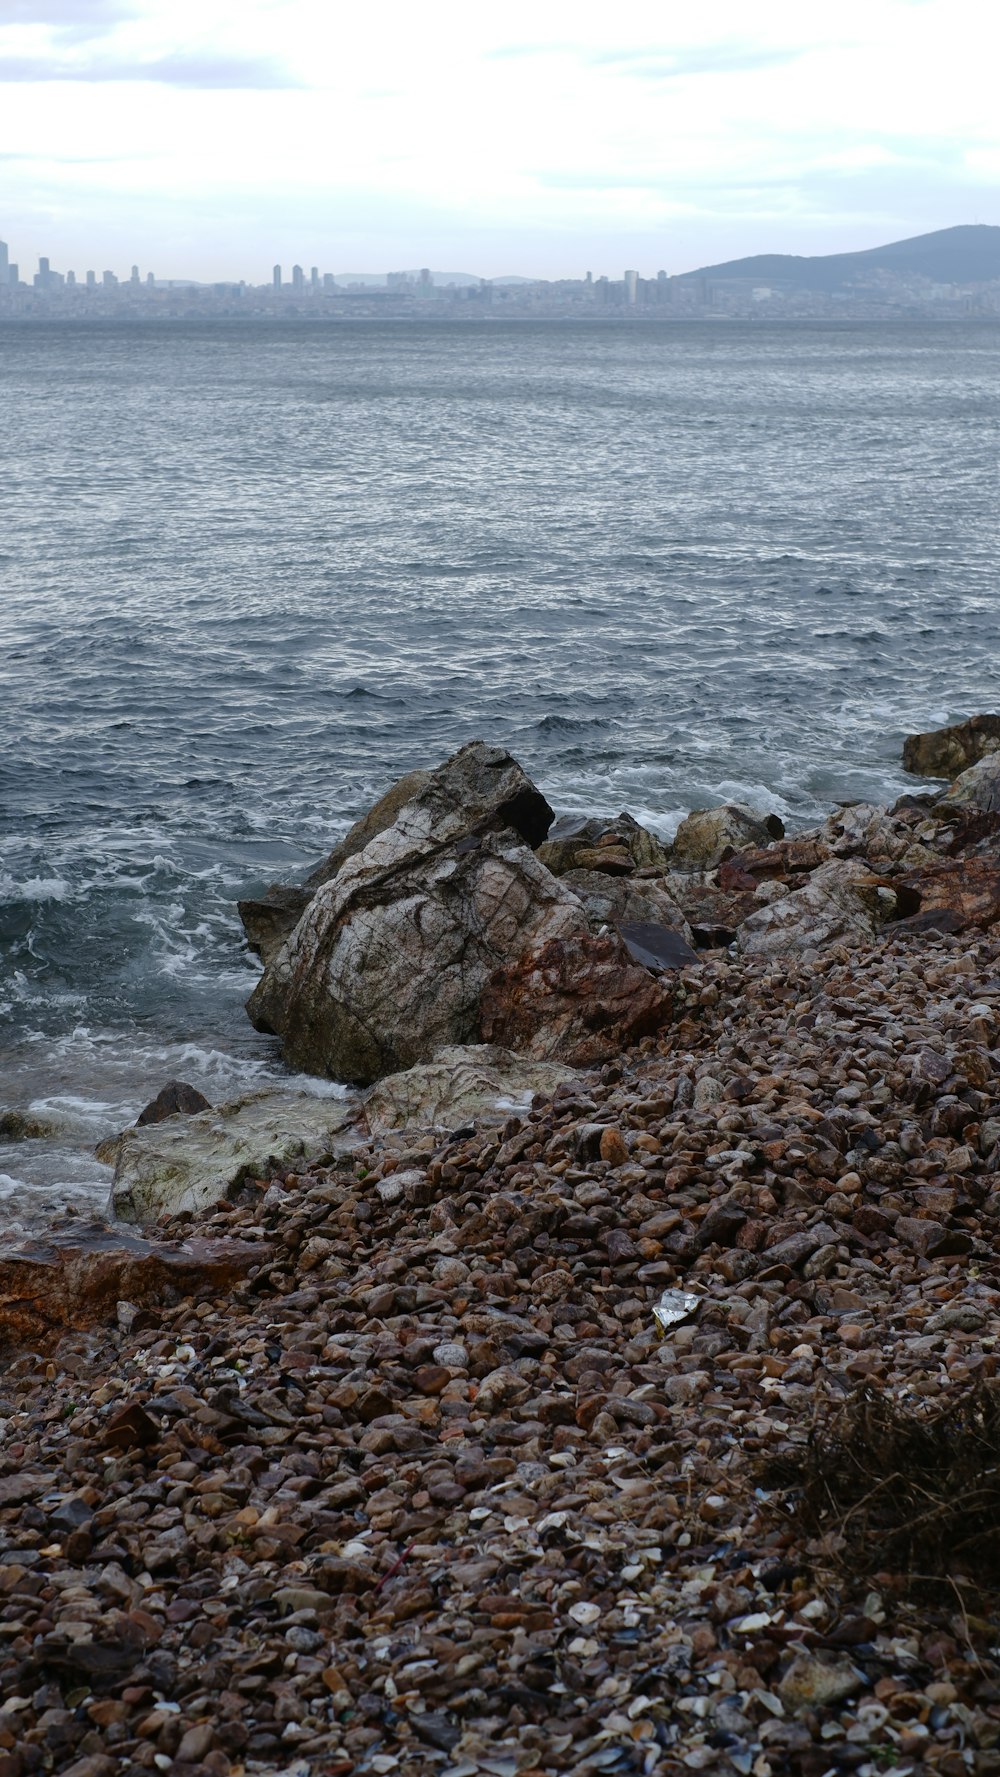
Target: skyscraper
<point>276,277</point>
<point>4,265</point>
<point>631,285</point>
<point>298,278</point>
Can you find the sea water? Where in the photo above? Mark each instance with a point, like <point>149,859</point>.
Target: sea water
<point>251,574</point>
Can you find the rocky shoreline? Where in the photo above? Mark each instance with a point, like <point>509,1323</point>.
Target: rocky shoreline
<point>486,1444</point>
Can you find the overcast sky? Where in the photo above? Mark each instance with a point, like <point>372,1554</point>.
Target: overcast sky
<point>209,138</point>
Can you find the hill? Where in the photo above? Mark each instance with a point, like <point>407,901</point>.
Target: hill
<point>964,255</point>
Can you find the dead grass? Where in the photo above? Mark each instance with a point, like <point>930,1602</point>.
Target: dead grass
<point>908,1488</point>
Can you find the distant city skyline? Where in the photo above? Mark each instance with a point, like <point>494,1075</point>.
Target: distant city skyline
<point>948,273</point>
<point>522,139</point>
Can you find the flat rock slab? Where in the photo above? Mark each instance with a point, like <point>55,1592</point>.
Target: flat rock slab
<point>75,1277</point>
<point>189,1163</point>
<point>474,1082</point>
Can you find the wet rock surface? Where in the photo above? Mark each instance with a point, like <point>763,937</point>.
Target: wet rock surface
<point>944,752</point>
<point>188,1163</point>
<point>428,1491</point>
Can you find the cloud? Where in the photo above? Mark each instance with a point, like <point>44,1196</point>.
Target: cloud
<point>213,72</point>
<point>695,59</point>
<point>67,14</point>
<point>658,62</point>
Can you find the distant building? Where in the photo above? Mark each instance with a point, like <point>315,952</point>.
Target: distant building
<point>631,286</point>
<point>14,274</point>
<point>134,279</point>
<point>71,280</point>
<point>298,278</point>
<point>109,280</point>
<point>314,278</point>
<point>150,281</point>
<point>276,278</point>
<point>328,282</point>
<point>4,264</point>
<point>91,280</point>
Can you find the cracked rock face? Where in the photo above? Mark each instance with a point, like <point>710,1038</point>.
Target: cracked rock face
<point>577,999</point>
<point>389,961</point>
<point>478,787</point>
<point>840,903</point>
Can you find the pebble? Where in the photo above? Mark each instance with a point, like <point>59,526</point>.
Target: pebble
<point>434,1490</point>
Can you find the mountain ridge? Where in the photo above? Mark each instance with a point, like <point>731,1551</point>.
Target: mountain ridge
<point>967,253</point>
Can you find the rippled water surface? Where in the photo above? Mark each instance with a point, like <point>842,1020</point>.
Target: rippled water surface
<point>250,576</point>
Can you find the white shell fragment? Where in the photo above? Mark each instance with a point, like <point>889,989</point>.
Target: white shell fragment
<point>673,1307</point>
<point>585,1614</point>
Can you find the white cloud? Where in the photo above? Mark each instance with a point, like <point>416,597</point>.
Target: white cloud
<point>297,128</point>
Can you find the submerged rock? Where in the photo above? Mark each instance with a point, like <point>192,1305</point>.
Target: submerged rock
<point>190,1163</point>
<point>464,1083</point>
<point>577,999</point>
<point>22,1126</point>
<point>944,752</point>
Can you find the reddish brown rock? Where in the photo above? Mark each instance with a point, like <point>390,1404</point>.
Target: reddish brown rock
<point>76,1277</point>
<point>578,999</point>
<point>963,893</point>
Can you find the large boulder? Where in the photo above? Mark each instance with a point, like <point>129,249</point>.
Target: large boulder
<point>75,1276</point>
<point>618,900</point>
<point>841,902</point>
<point>388,962</point>
<point>708,835</point>
<point>977,789</point>
<point>478,788</point>
<point>475,1082</point>
<point>189,1163</point>
<point>577,999</point>
<point>944,752</point>
<point>614,848</point>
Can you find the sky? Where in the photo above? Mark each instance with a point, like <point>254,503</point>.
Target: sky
<point>212,138</point>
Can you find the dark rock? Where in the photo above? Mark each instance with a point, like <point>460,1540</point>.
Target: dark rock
<point>176,1099</point>
<point>944,752</point>
<point>656,947</point>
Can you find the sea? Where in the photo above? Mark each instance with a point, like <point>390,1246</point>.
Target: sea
<point>250,574</point>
